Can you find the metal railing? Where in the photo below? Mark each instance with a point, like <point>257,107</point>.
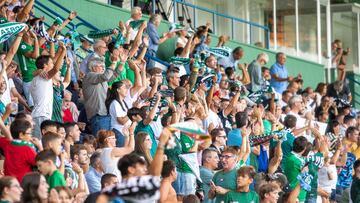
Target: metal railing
<point>52,14</point>
<point>216,14</point>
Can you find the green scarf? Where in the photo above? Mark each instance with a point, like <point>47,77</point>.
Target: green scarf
<point>96,34</point>
<point>135,24</point>
<point>18,142</point>
<point>9,29</point>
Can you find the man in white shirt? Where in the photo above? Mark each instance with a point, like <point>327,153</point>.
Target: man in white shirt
<point>42,88</point>
<point>230,61</point>
<point>136,14</point>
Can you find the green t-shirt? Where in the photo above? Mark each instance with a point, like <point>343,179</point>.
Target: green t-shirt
<point>183,144</point>
<point>147,128</point>
<point>226,180</point>
<point>314,165</point>
<point>127,73</point>
<point>27,65</point>
<point>292,168</point>
<point>237,197</point>
<point>56,179</point>
<point>286,147</point>
<point>57,103</point>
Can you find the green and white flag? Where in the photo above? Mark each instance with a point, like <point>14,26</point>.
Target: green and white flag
<point>179,60</point>
<point>95,34</point>
<point>120,40</point>
<point>135,24</point>
<point>192,162</point>
<point>190,129</point>
<point>222,52</point>
<point>9,29</point>
<point>175,27</point>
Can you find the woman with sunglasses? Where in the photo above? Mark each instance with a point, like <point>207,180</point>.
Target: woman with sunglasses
<point>110,154</point>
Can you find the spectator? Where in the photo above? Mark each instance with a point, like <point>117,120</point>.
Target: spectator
<point>294,165</point>
<point>355,197</point>
<point>110,154</point>
<point>35,188</point>
<point>255,72</point>
<point>95,90</point>
<point>233,59</point>
<point>210,162</point>
<point>45,162</point>
<point>85,49</point>
<point>99,53</point>
<point>72,133</point>
<point>352,141</point>
<point>279,74</point>
<point>143,145</point>
<point>10,189</point>
<point>18,148</point>
<point>245,177</point>
<point>107,180</point>
<point>43,100</point>
<point>136,15</point>
<point>168,173</point>
<point>269,193</point>
<point>339,90</point>
<point>94,174</point>
<point>155,40</point>
<point>218,138</point>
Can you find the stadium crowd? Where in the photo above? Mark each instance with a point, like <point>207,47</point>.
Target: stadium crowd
<point>95,118</point>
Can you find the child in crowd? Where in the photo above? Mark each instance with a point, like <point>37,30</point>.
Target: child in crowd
<point>45,162</point>
<point>243,193</point>
<point>19,148</point>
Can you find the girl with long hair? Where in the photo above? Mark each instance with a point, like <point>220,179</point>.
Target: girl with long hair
<point>143,145</point>
<point>35,188</point>
<point>117,104</point>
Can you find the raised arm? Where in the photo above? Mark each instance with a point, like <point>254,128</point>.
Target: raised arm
<point>5,131</point>
<point>129,147</point>
<point>137,83</point>
<point>24,13</point>
<point>15,46</point>
<point>72,15</point>
<point>36,51</point>
<point>187,48</point>
<point>232,104</point>
<point>152,112</point>
<point>67,78</point>
<point>158,160</point>
<point>59,61</point>
<point>137,40</point>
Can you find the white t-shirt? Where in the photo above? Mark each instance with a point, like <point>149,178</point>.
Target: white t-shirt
<point>324,182</point>
<point>110,164</point>
<point>42,93</point>
<point>212,118</point>
<point>119,110</point>
<point>157,127</point>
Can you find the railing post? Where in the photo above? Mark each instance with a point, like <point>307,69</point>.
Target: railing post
<point>174,7</point>
<point>195,18</point>
<point>213,19</point>
<point>232,28</point>
<point>267,38</point>
<point>153,7</point>
<point>250,33</point>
